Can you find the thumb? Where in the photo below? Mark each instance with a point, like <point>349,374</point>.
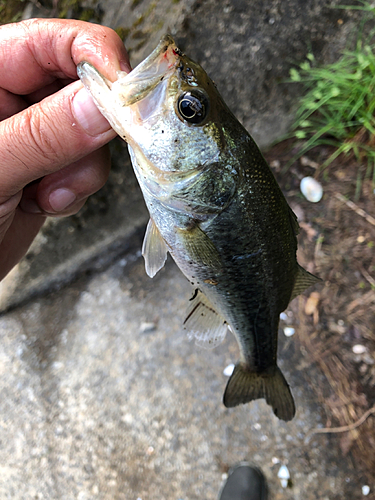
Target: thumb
<point>55,132</point>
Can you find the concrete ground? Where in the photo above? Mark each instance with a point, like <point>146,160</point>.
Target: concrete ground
<point>102,396</point>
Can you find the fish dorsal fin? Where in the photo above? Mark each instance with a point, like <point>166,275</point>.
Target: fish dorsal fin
<point>200,248</point>
<point>154,249</point>
<point>204,323</point>
<point>304,280</point>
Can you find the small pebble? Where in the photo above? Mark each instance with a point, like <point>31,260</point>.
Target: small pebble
<point>359,349</point>
<point>275,460</point>
<point>147,327</point>
<point>365,490</point>
<point>289,331</point>
<point>283,316</point>
<point>311,189</point>
<point>228,370</point>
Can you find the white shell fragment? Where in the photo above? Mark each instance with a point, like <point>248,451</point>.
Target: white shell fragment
<point>228,370</point>
<point>284,483</point>
<point>311,189</point>
<point>289,331</point>
<point>283,475</point>
<point>359,349</point>
<point>365,490</point>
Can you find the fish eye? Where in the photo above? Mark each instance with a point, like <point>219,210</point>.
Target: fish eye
<point>192,106</point>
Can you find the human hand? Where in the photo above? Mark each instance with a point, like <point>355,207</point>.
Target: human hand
<point>52,137</point>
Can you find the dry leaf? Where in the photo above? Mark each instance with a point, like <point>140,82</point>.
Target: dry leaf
<point>312,303</point>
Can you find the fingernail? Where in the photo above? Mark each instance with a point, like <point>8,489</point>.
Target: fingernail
<point>60,199</point>
<point>125,66</point>
<point>88,115</point>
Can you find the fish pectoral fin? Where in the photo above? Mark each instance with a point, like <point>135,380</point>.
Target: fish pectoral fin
<point>200,248</point>
<point>304,280</point>
<point>154,249</point>
<point>204,323</point>
<point>245,386</point>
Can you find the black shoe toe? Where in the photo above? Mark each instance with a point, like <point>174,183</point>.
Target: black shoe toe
<point>244,483</point>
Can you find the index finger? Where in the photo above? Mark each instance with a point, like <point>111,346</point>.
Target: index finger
<point>36,52</point>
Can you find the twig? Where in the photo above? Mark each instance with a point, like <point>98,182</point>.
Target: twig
<point>367,276</point>
<point>364,300</point>
<point>356,208</point>
<point>344,428</point>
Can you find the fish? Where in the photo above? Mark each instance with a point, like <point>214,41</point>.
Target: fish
<point>215,207</point>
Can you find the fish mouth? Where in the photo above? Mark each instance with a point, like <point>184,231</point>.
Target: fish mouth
<point>149,73</point>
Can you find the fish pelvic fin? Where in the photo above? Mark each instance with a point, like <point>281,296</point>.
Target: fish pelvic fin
<point>245,386</point>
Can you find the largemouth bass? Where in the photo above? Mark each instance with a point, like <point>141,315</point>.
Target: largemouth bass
<point>215,206</point>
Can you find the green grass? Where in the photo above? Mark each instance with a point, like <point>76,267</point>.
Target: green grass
<point>337,108</point>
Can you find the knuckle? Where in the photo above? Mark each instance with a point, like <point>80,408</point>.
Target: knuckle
<point>8,207</point>
<point>43,141</point>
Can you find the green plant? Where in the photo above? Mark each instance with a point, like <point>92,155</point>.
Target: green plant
<point>11,10</point>
<point>338,105</point>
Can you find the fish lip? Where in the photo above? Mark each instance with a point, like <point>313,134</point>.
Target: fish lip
<point>162,60</point>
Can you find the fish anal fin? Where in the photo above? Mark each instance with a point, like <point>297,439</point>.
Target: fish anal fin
<point>200,248</point>
<point>204,323</point>
<point>304,280</point>
<point>245,386</point>
<point>154,249</point>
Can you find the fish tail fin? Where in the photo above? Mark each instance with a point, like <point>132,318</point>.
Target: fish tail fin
<point>245,386</point>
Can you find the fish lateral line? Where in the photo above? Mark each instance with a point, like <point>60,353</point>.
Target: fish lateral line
<point>247,256</point>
